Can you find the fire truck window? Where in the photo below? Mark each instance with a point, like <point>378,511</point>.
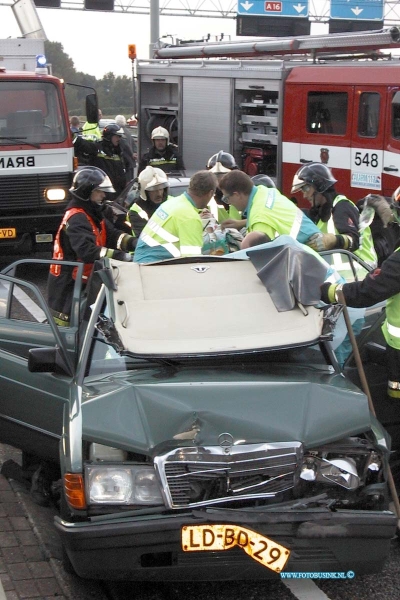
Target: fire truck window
<point>396,116</point>
<point>368,114</point>
<point>327,112</point>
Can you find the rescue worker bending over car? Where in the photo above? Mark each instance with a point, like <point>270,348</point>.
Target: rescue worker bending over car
<point>85,236</point>
<point>162,155</point>
<point>176,229</point>
<point>335,215</point>
<point>267,210</point>
<point>153,190</point>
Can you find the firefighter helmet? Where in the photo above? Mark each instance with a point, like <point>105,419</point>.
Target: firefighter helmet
<point>160,133</point>
<point>263,180</point>
<point>88,179</point>
<point>111,130</point>
<point>316,174</point>
<point>222,162</point>
<point>151,179</point>
<point>396,196</point>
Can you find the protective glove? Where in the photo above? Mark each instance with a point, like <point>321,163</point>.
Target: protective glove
<point>328,291</point>
<point>116,254</point>
<point>322,241</point>
<point>381,207</point>
<point>123,256</point>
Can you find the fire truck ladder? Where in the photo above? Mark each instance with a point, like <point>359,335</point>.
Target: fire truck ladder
<point>312,45</point>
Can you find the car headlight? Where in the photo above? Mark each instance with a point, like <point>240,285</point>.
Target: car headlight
<point>339,470</point>
<point>127,484</point>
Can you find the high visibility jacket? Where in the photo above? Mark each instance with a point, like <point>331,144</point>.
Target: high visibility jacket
<point>91,131</point>
<point>274,214</point>
<point>366,250</point>
<point>174,230</point>
<point>58,252</point>
<point>391,326</point>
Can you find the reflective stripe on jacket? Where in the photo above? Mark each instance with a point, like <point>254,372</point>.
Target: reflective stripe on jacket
<point>58,253</point>
<point>174,230</point>
<point>391,326</point>
<point>366,250</point>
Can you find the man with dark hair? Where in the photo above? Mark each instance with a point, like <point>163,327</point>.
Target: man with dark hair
<point>175,229</point>
<point>267,210</point>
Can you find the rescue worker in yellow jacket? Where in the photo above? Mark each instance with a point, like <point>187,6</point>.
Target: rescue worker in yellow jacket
<point>84,235</point>
<point>176,229</point>
<point>266,209</point>
<point>334,214</point>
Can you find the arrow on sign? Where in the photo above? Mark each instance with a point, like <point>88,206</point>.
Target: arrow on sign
<point>357,11</point>
<point>299,7</point>
<point>246,5</point>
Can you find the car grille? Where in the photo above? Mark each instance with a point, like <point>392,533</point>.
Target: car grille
<point>210,475</point>
<point>24,193</point>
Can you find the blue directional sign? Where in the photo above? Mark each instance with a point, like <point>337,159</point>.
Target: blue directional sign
<point>357,10</point>
<point>282,8</point>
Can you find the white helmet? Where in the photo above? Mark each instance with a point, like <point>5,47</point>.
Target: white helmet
<point>151,179</point>
<point>160,133</point>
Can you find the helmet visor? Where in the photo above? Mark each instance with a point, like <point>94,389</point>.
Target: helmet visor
<point>106,186</point>
<point>297,184</point>
<point>157,186</point>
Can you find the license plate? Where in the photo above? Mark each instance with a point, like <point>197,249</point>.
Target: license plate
<point>197,538</point>
<point>7,233</point>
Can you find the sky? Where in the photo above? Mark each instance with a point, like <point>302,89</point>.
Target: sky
<point>107,50</point>
<point>97,54</point>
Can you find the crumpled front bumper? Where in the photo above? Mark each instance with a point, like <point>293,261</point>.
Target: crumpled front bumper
<point>148,547</point>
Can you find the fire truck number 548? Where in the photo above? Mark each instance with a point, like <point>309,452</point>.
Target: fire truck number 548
<point>368,159</point>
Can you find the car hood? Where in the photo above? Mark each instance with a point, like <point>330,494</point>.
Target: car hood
<point>144,412</point>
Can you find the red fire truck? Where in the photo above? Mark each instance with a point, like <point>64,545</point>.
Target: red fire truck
<point>277,104</point>
<point>36,154</point>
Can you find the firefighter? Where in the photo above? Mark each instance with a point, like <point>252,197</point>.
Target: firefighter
<point>105,154</point>
<point>379,285</point>
<point>162,155</point>
<point>153,190</point>
<point>220,163</point>
<point>85,236</point>
<point>376,211</point>
<point>91,131</point>
<point>335,215</point>
<point>176,229</point>
<point>267,210</point>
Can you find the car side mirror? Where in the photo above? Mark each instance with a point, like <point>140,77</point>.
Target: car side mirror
<point>47,360</point>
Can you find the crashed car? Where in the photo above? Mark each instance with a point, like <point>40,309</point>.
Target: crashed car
<point>203,425</point>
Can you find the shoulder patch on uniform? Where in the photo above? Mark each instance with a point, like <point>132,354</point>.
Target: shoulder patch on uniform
<point>161,213</point>
<point>270,199</point>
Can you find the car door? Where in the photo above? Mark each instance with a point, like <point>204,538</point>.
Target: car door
<point>31,403</point>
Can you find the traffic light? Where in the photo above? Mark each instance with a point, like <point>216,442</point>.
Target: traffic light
<point>99,4</point>
<point>48,3</point>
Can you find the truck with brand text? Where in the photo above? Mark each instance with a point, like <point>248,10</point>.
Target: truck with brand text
<point>36,149</point>
<point>277,104</point>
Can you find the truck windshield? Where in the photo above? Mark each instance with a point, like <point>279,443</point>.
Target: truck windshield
<point>30,112</point>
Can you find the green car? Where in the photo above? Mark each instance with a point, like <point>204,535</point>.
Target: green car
<point>204,426</point>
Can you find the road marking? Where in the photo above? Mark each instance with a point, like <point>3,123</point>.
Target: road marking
<point>305,589</point>
<point>26,302</point>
